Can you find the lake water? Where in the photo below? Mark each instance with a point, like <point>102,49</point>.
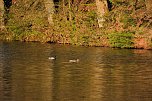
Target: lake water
<point>102,74</point>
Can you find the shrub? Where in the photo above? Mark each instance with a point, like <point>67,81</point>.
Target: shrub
<point>121,39</point>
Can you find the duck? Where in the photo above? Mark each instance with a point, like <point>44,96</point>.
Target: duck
<point>51,58</point>
<point>74,61</point>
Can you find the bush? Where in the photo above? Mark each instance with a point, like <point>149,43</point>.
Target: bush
<point>121,39</point>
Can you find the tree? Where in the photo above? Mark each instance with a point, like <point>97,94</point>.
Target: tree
<point>102,8</point>
<point>49,5</point>
<point>1,14</point>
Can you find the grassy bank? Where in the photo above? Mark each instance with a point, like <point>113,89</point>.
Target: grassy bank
<point>126,26</point>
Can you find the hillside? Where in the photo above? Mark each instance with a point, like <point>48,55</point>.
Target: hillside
<point>126,23</point>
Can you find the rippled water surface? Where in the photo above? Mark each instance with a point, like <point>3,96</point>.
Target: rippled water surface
<point>102,74</point>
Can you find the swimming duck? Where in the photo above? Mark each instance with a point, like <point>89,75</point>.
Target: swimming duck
<point>73,61</point>
<point>51,58</point>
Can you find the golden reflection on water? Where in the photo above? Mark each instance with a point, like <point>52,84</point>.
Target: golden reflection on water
<point>103,74</point>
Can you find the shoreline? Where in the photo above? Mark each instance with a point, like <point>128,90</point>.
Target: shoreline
<point>138,42</point>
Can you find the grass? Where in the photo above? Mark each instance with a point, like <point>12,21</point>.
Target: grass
<point>121,39</point>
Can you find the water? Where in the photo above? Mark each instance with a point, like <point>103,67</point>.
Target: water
<point>102,74</point>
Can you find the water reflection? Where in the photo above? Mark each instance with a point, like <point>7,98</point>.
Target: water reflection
<point>103,74</point>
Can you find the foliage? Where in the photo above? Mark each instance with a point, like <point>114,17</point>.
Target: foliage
<point>121,39</point>
<point>27,18</point>
<point>75,22</point>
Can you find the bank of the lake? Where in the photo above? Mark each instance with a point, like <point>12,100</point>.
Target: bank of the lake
<point>115,40</point>
<point>127,24</point>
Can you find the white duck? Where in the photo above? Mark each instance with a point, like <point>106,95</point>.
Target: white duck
<point>51,58</point>
<point>74,61</point>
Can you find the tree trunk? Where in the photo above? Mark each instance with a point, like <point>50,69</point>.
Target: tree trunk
<point>2,14</point>
<point>102,8</point>
<point>49,5</point>
<point>70,15</point>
